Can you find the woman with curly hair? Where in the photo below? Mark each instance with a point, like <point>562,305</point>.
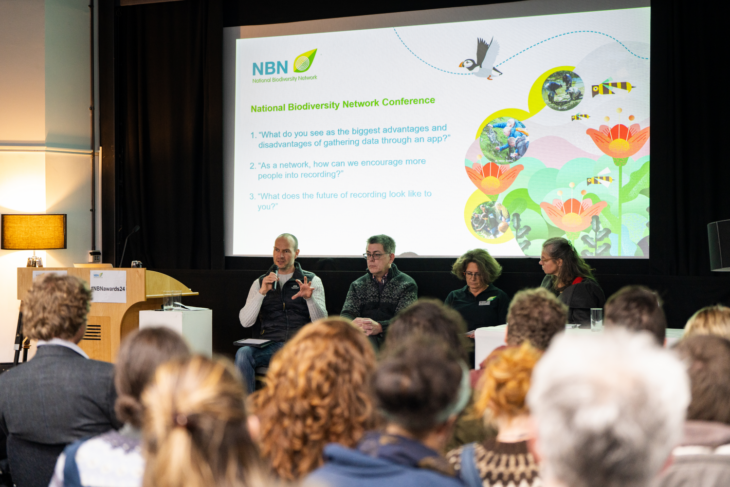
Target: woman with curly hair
<point>196,429</point>
<point>480,302</point>
<point>500,401</point>
<point>315,394</point>
<point>570,279</point>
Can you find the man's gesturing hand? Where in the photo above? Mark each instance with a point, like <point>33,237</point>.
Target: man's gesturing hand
<point>305,289</point>
<point>268,282</point>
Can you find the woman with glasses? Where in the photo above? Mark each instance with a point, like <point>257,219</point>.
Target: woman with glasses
<point>570,279</point>
<point>480,302</point>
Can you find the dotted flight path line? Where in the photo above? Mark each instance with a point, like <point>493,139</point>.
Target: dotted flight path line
<point>524,50</point>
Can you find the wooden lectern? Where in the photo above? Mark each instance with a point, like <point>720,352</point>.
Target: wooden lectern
<point>109,323</point>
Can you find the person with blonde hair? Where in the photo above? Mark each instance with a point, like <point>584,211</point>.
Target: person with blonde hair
<point>500,401</point>
<point>315,394</point>
<point>710,320</point>
<point>115,457</point>
<point>196,429</point>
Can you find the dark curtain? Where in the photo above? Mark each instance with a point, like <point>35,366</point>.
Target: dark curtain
<point>689,172</point>
<point>171,174</point>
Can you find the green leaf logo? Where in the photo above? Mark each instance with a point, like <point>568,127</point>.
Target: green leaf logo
<point>304,61</point>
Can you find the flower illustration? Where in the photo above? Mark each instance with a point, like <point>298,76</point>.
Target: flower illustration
<point>492,178</point>
<point>620,141</point>
<point>573,215</point>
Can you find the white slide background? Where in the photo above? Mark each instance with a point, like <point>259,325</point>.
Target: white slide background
<point>375,64</point>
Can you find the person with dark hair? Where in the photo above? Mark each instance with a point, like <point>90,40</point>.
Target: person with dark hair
<point>570,279</point>
<point>480,302</point>
<point>637,308</point>
<point>60,395</point>
<point>703,457</point>
<point>375,298</point>
<point>420,387</point>
<point>535,316</point>
<point>115,457</point>
<point>432,318</point>
<point>282,301</point>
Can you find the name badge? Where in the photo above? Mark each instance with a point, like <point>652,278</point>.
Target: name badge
<point>485,303</point>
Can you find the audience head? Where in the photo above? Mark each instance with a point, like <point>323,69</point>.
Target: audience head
<point>536,316</point>
<point>637,308</point>
<point>712,320</point>
<point>139,356</point>
<point>195,428</point>
<point>430,317</point>
<point>503,386</point>
<point>708,360</point>
<point>478,267</point>
<point>560,260</point>
<point>608,410</point>
<point>56,307</point>
<point>315,394</point>
<point>420,385</point>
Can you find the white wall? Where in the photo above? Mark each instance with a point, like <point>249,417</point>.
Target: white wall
<point>45,164</point>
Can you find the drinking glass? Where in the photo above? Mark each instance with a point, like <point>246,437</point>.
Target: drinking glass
<point>168,302</point>
<point>596,319</point>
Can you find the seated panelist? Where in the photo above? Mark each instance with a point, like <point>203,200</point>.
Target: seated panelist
<point>375,298</point>
<point>282,300</point>
<point>570,279</point>
<point>480,302</point>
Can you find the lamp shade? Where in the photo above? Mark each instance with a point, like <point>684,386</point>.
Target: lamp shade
<point>33,232</point>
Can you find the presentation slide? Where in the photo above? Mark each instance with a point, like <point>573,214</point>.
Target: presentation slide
<point>495,134</point>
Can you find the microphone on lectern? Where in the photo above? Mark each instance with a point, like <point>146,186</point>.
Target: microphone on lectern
<point>134,230</point>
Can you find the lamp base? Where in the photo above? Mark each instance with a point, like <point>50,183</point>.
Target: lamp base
<point>34,261</point>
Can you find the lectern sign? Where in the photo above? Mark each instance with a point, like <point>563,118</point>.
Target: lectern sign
<point>109,286</point>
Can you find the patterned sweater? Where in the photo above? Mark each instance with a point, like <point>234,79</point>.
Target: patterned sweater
<point>364,299</point>
<point>501,464</point>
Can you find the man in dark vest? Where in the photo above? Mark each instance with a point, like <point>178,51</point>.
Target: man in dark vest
<point>375,298</point>
<point>283,300</point>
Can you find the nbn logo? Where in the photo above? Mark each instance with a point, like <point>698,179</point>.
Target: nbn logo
<point>271,67</point>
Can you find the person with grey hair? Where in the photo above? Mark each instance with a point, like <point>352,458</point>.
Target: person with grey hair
<point>274,302</point>
<point>608,409</point>
<point>375,298</point>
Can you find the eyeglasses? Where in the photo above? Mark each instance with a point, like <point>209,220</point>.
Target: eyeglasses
<point>375,256</point>
<point>473,274</point>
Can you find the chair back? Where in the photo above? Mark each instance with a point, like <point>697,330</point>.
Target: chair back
<point>31,463</point>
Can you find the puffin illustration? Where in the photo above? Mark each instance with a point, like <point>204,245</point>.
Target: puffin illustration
<point>486,56</point>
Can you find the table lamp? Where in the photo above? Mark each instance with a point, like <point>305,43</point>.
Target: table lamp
<point>33,232</point>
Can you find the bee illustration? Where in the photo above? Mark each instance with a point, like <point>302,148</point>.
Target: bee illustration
<point>578,116</point>
<point>608,88</point>
<point>601,178</point>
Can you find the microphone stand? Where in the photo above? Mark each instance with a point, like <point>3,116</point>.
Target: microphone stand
<point>134,230</point>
